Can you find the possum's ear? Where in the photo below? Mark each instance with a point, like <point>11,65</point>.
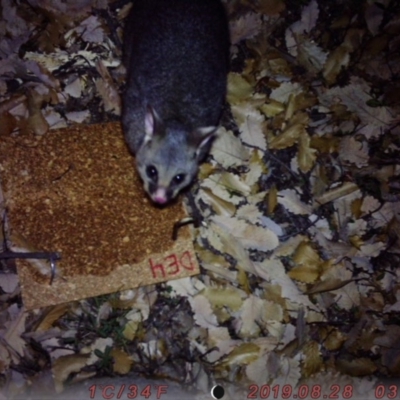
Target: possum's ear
<point>151,122</point>
<point>204,135</point>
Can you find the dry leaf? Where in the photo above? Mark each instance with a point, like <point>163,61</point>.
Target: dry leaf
<point>251,236</point>
<point>238,89</point>
<point>228,150</point>
<point>122,361</point>
<point>74,89</point>
<point>307,155</point>
<point>284,91</point>
<point>308,20</point>
<point>251,125</point>
<point>203,313</point>
<point>313,360</point>
<point>354,151</point>
<point>247,326</point>
<point>337,59</point>
<point>289,199</point>
<point>51,315</point>
<point>273,271</point>
<point>224,297</point>
<point>132,326</point>
<point>336,193</point>
<point>356,367</point>
<point>355,97</point>
<point>246,27</point>
<point>242,355</point>
<point>66,365</point>
<point>270,7</point>
<point>108,90</point>
<point>288,137</point>
<point>328,285</point>
<point>373,17</point>
<point>11,335</point>
<point>311,56</point>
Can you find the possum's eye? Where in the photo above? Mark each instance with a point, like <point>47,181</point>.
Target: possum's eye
<point>151,172</point>
<point>178,178</point>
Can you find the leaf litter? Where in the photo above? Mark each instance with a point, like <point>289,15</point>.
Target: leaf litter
<point>299,202</point>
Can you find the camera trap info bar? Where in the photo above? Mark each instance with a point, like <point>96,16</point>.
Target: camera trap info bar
<point>76,191</point>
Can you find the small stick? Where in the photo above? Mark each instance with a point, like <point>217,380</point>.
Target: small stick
<point>183,222</point>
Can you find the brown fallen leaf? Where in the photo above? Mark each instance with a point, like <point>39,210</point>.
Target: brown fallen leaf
<point>108,90</point>
<point>51,315</point>
<point>122,361</point>
<point>313,359</point>
<point>328,285</point>
<point>333,194</point>
<point>356,367</point>
<point>269,7</point>
<point>15,345</point>
<point>307,155</point>
<point>272,199</point>
<point>243,354</point>
<point>66,365</point>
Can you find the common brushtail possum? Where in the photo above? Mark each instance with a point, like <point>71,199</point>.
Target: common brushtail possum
<point>176,56</point>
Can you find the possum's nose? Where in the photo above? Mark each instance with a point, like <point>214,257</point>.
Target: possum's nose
<point>160,196</point>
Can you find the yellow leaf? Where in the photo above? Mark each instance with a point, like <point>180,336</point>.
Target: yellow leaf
<point>130,329</point>
<point>272,199</point>
<point>257,166</point>
<point>221,297</point>
<point>291,133</point>
<point>325,144</point>
<point>309,264</point>
<point>356,207</point>
<point>122,361</point>
<point>205,170</point>
<point>356,241</point>
<point>337,59</point>
<point>313,361</point>
<point>305,254</point>
<point>238,88</point>
<point>233,184</point>
<point>272,108</point>
<point>242,355</point>
<point>243,279</point>
<point>220,206</point>
<point>307,155</point>
<point>287,138</point>
<point>290,107</point>
<point>51,315</point>
<point>208,257</point>
<point>328,285</point>
<point>305,273</point>
<point>336,193</point>
<point>305,100</point>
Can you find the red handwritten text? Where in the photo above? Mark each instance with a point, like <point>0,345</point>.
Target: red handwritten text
<point>172,265</point>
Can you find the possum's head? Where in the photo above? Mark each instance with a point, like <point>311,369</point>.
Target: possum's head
<point>169,156</point>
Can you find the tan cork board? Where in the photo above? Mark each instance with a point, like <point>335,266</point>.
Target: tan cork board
<point>76,191</point>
